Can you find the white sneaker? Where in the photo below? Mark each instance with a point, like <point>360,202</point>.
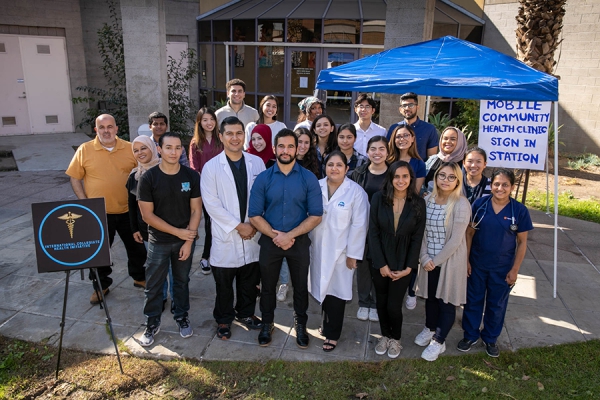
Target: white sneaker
<point>382,346</point>
<point>282,292</point>
<point>432,352</point>
<point>394,348</point>
<point>373,316</point>
<point>424,337</point>
<point>411,302</point>
<point>362,313</point>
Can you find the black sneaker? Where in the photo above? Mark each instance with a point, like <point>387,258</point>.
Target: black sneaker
<point>466,344</point>
<point>252,322</point>
<point>224,331</point>
<point>302,337</point>
<point>185,330</point>
<point>205,266</point>
<point>266,334</point>
<point>148,336</point>
<point>492,350</point>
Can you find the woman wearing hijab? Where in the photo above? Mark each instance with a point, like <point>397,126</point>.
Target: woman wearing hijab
<point>310,108</point>
<point>453,147</point>
<point>146,154</point>
<point>260,143</point>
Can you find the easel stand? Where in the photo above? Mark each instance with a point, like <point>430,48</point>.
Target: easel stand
<point>100,294</point>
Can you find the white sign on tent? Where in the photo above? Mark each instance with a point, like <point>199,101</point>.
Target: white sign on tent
<point>514,133</point>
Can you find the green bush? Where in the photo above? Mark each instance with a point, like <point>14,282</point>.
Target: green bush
<point>468,119</point>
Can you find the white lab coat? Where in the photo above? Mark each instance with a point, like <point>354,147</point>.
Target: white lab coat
<point>219,197</point>
<point>341,234</point>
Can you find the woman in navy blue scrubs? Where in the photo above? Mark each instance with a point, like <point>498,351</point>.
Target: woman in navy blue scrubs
<point>497,242</point>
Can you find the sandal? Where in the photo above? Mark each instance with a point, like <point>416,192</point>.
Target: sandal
<point>331,346</point>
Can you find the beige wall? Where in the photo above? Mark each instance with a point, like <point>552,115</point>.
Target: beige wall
<point>207,5</point>
<point>578,66</point>
<point>474,6</point>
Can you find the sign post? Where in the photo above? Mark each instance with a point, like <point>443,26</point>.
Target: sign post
<point>71,235</point>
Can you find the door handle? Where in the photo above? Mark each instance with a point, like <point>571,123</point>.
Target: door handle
<point>24,96</point>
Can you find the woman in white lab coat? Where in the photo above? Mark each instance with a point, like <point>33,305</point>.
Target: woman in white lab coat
<point>337,242</point>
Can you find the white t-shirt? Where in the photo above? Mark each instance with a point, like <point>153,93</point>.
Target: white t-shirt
<point>362,137</point>
<point>304,124</point>
<point>275,128</point>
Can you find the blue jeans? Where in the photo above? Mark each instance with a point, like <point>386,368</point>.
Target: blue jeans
<point>166,286</point>
<point>284,274</point>
<point>160,255</point>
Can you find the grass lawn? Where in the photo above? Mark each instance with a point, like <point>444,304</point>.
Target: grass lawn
<point>559,372</point>
<point>568,205</point>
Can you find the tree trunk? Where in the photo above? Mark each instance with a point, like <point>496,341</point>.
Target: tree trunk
<point>539,26</point>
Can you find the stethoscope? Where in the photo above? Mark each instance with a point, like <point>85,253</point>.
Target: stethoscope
<point>513,226</point>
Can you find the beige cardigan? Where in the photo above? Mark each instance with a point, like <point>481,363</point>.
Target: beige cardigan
<point>452,286</point>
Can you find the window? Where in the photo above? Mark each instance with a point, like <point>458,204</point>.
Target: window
<point>43,49</point>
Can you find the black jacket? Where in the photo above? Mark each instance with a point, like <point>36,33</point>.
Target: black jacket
<point>397,249</point>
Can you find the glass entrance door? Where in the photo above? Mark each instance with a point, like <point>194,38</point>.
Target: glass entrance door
<point>302,77</point>
<point>340,104</point>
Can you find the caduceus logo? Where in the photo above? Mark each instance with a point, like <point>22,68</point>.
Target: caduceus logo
<point>70,218</point>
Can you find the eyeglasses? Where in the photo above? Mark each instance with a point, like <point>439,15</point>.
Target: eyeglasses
<point>444,177</point>
<point>408,105</point>
<point>367,107</point>
<point>403,136</point>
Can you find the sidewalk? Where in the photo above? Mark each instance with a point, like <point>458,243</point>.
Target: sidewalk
<point>31,303</point>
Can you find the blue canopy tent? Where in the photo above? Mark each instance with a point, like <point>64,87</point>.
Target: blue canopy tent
<point>447,67</point>
<point>450,67</point>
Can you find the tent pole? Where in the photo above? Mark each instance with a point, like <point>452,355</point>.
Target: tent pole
<point>547,181</point>
<point>427,101</point>
<point>555,192</point>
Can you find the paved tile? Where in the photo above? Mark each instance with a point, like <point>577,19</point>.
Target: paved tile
<point>95,337</point>
<point>51,303</point>
<point>19,291</point>
<point>532,326</point>
<point>33,328</point>
<point>534,292</point>
<point>5,315</point>
<point>124,306</point>
<point>588,322</point>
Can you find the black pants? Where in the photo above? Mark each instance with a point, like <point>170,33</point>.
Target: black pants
<point>136,252</point>
<point>390,295</point>
<point>333,316</point>
<point>298,258</point>
<point>439,316</point>
<point>207,234</point>
<point>244,276</point>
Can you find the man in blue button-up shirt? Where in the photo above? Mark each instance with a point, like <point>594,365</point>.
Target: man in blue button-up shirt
<point>285,204</point>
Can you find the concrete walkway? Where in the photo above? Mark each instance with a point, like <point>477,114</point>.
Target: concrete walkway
<point>31,303</point>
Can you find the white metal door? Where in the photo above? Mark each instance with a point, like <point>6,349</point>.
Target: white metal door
<point>47,84</point>
<point>13,104</point>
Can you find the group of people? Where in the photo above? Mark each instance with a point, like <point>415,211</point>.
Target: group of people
<point>312,205</point>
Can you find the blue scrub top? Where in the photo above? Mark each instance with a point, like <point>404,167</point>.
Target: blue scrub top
<point>494,244</point>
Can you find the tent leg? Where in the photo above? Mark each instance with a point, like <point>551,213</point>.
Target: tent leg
<point>555,192</point>
<point>427,103</point>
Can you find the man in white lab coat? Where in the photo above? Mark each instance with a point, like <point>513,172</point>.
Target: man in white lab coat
<point>226,183</point>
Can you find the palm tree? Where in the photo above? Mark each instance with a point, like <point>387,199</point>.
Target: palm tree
<point>539,26</point>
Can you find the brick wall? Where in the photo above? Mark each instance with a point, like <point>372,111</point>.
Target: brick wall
<point>578,66</point>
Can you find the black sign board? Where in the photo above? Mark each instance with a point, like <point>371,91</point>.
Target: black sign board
<point>70,234</point>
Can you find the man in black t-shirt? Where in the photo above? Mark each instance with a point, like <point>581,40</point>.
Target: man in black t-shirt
<point>170,203</point>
